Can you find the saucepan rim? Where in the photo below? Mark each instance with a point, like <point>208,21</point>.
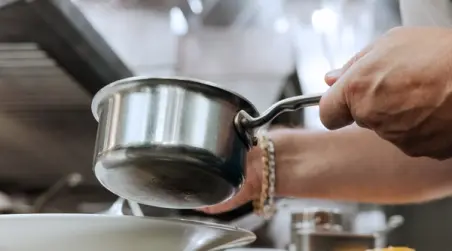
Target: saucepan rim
<point>127,83</point>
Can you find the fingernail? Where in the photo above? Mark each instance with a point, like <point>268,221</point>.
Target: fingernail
<point>334,73</point>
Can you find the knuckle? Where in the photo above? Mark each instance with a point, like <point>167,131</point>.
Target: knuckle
<point>363,114</point>
<point>354,86</point>
<point>364,102</point>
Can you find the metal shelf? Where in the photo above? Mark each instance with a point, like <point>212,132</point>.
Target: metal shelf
<point>60,30</point>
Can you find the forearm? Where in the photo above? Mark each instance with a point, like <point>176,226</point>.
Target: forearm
<point>356,165</point>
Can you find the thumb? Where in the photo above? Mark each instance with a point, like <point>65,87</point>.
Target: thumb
<point>332,76</point>
<point>334,109</point>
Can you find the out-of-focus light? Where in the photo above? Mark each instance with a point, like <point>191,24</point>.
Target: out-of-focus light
<point>281,25</point>
<point>178,22</point>
<point>196,6</point>
<point>324,20</point>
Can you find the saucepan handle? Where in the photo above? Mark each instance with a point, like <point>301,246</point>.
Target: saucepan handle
<point>246,122</point>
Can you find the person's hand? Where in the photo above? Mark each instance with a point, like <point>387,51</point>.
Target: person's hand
<point>400,87</point>
<point>251,188</point>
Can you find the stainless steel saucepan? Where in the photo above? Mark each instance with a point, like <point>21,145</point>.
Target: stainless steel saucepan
<point>176,142</point>
<point>114,232</point>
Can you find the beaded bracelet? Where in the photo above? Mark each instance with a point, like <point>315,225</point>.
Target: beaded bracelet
<point>264,205</point>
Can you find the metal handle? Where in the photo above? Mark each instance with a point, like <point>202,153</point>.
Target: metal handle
<point>244,123</point>
<point>285,105</point>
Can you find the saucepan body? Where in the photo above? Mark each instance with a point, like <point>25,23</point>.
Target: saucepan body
<point>169,142</point>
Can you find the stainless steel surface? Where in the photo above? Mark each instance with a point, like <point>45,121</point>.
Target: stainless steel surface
<point>250,222</point>
<point>49,57</point>
<point>84,53</point>
<point>322,241</point>
<point>40,102</point>
<point>74,232</point>
<point>135,208</point>
<point>116,208</point>
<point>61,30</point>
<point>279,228</point>
<point>394,222</point>
<point>381,236</point>
<point>285,105</point>
<point>322,229</point>
<point>246,124</point>
<point>169,142</point>
<point>318,219</point>
<point>327,239</point>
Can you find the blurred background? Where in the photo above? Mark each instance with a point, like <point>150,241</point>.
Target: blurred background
<point>54,55</point>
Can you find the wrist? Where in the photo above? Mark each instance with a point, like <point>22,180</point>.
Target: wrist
<point>289,149</point>
<point>254,171</point>
<point>300,161</point>
<point>256,160</point>
<point>299,158</point>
